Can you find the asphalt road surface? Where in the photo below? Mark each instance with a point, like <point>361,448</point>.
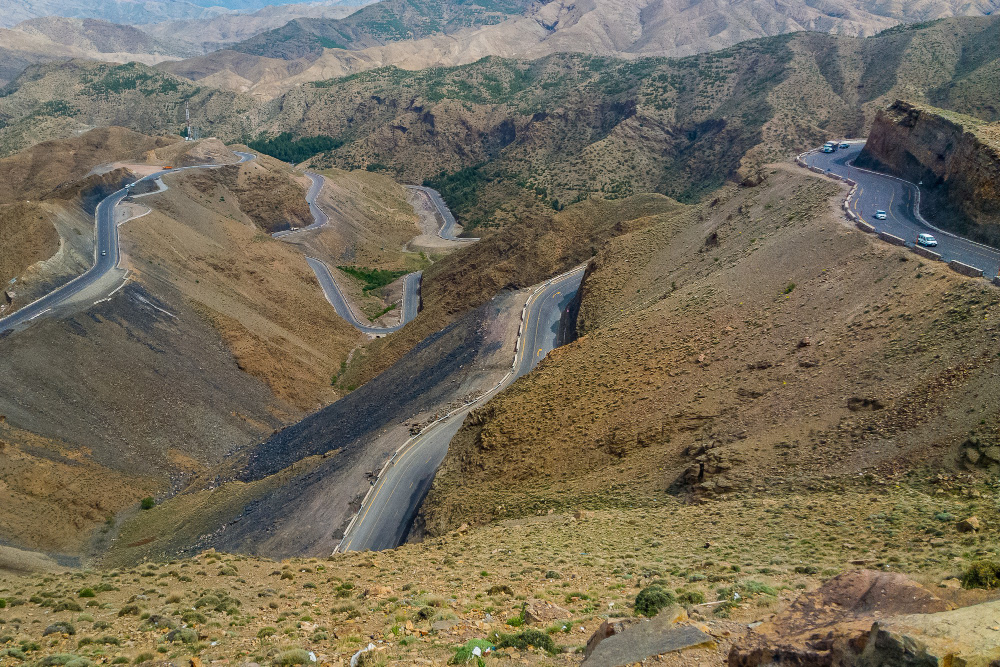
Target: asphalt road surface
<point>898,198</point>
<point>106,257</point>
<point>411,299</point>
<point>385,518</point>
<point>448,224</point>
<point>319,217</point>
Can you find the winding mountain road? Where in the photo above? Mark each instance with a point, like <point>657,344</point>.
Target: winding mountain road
<point>900,200</point>
<point>319,217</point>
<point>411,281</point>
<point>447,220</point>
<point>388,510</point>
<point>104,277</point>
<point>411,299</point>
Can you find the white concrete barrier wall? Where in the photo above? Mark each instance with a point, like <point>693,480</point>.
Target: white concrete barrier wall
<point>889,238</point>
<point>965,269</point>
<point>924,252</point>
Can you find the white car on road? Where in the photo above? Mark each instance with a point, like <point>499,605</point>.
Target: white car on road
<point>880,214</point>
<point>926,240</point>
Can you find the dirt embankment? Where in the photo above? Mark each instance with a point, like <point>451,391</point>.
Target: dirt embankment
<point>955,158</point>
<point>750,344</point>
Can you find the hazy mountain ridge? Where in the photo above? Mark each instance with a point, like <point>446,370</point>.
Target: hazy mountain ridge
<point>205,35</point>
<point>379,24</point>
<point>413,36</point>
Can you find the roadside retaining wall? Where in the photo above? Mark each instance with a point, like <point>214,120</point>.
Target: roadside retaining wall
<point>894,240</point>
<point>865,227</point>
<point>965,269</point>
<point>924,252</point>
<point>817,170</point>
<point>832,175</point>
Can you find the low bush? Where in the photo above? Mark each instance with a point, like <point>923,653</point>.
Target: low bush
<point>652,599</point>
<point>525,638</point>
<point>982,574</point>
<point>295,656</point>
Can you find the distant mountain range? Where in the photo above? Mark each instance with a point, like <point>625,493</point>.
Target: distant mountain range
<point>133,12</point>
<point>428,33</point>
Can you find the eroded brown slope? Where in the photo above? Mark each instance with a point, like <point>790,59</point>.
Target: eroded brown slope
<point>207,236</point>
<point>750,344</point>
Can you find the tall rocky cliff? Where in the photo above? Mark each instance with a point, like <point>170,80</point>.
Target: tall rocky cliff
<point>956,158</point>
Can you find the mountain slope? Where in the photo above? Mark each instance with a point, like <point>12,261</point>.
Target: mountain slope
<point>205,35</point>
<point>57,39</point>
<point>380,23</point>
<point>752,345</point>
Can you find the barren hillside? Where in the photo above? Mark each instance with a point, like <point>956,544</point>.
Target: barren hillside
<point>748,345</point>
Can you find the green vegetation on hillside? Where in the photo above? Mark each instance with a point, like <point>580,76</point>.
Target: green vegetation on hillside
<point>372,278</point>
<point>130,76</point>
<point>288,149</point>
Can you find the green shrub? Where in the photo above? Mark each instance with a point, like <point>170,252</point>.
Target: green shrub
<point>144,657</point>
<point>982,574</point>
<point>264,633</point>
<point>744,590</point>
<point>64,660</point>
<point>120,660</point>
<point>295,656</point>
<point>147,503</point>
<point>652,599</point>
<point>129,610</point>
<point>464,652</point>
<point>525,638</point>
<point>86,593</point>
<point>182,635</point>
<point>59,628</point>
<point>690,597</point>
<point>372,278</point>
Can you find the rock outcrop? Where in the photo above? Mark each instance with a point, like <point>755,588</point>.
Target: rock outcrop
<point>968,636</point>
<point>957,158</point>
<point>831,626</point>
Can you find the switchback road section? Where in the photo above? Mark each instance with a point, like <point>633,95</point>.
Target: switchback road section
<point>103,278</point>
